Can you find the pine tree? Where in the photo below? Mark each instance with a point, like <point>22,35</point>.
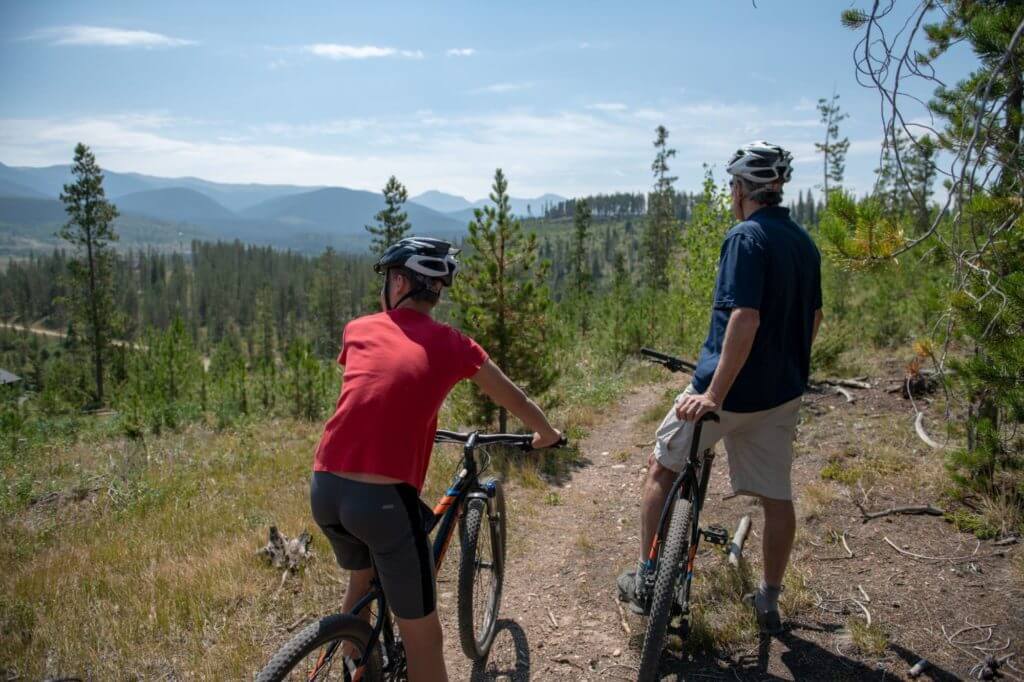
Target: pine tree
<point>90,230</point>
<point>328,296</point>
<point>660,230</point>
<point>392,221</point>
<point>580,238</point>
<point>502,299</point>
<point>992,376</point>
<point>833,150</point>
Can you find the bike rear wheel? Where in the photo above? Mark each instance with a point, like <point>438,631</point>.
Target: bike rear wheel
<point>481,573</point>
<point>669,572</point>
<point>316,653</point>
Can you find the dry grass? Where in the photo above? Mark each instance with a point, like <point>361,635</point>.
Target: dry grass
<point>870,640</point>
<point>139,558</point>
<point>163,559</point>
<point>815,499</point>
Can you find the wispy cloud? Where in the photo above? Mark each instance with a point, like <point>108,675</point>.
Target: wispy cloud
<point>572,152</point>
<point>104,36</point>
<point>339,52</point>
<point>498,88</point>
<point>608,106</point>
<point>461,52</point>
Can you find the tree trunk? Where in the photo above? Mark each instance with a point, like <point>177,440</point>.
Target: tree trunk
<point>97,343</point>
<point>502,420</point>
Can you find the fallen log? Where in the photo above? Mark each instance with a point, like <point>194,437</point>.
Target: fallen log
<point>849,383</point>
<point>739,538</point>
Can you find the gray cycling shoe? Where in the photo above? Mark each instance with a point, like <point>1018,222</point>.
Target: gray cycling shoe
<point>769,621</point>
<point>628,592</point>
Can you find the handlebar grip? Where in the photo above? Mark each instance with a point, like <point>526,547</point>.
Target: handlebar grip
<point>710,417</point>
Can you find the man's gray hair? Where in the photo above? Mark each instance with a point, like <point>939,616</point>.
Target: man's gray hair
<point>769,194</point>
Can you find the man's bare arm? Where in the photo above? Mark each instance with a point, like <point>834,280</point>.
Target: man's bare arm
<point>739,338</point>
<point>818,317</point>
<point>493,382</point>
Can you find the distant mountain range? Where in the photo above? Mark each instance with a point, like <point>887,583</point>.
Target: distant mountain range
<point>456,205</point>
<point>171,211</point>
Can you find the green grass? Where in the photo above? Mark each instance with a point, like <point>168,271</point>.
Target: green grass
<point>878,465</point>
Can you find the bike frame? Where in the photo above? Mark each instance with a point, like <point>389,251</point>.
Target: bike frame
<point>697,471</point>
<point>691,484</point>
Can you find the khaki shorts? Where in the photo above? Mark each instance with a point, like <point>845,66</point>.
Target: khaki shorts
<point>759,445</point>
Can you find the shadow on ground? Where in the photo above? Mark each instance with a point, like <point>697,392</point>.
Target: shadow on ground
<point>509,658</point>
<point>793,656</point>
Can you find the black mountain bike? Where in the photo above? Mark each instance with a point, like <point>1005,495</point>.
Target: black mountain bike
<point>675,544</point>
<point>346,647</point>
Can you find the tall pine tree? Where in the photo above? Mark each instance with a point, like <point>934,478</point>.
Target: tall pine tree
<point>502,299</point>
<point>392,221</point>
<point>90,230</point>
<point>580,236</point>
<point>833,150</point>
<point>659,232</point>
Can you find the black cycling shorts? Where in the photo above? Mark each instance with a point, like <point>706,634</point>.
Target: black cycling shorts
<point>385,523</point>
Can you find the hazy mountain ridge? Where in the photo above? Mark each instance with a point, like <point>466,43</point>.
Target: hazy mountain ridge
<point>462,208</point>
<point>168,212</point>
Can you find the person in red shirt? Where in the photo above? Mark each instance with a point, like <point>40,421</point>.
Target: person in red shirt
<point>371,461</point>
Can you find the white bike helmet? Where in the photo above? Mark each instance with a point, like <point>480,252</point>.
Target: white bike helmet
<point>426,258</point>
<point>761,162</point>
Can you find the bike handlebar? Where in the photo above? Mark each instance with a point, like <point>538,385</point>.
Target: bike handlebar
<point>523,441</point>
<point>671,362</point>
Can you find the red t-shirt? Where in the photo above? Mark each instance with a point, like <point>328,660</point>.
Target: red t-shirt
<point>399,367</point>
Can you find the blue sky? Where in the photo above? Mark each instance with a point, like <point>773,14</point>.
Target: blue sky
<point>564,96</point>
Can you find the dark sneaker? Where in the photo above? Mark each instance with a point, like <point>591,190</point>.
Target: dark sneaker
<point>628,592</point>
<point>770,622</point>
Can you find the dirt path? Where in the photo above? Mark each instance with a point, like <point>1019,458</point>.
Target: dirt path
<point>560,618</point>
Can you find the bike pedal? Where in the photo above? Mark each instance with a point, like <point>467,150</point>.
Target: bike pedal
<point>716,535</point>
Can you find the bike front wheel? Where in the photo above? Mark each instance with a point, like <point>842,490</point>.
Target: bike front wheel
<point>332,648</point>
<point>481,572</point>
<point>669,571</point>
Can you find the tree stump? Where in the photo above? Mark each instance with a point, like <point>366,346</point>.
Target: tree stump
<point>284,552</point>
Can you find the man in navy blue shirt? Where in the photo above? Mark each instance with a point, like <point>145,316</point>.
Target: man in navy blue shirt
<point>752,370</point>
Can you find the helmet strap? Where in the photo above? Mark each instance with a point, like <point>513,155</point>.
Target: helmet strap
<point>420,287</point>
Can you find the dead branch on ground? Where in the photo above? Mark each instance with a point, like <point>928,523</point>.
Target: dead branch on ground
<point>919,509</point>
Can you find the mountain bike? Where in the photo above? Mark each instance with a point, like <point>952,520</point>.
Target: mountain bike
<point>347,647</point>
<point>674,548</point>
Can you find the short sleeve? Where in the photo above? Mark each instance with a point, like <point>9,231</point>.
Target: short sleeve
<point>741,272</point>
<point>469,356</point>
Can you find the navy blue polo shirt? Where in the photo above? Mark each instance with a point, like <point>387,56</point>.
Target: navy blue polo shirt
<point>770,263</point>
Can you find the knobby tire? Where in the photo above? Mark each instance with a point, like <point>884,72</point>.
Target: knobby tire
<point>311,639</point>
<point>482,522</point>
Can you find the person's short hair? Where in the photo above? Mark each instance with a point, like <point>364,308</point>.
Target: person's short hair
<point>421,284</point>
<point>769,194</point>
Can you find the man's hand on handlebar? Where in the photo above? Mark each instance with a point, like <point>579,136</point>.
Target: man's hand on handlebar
<point>547,439</point>
<point>693,406</point>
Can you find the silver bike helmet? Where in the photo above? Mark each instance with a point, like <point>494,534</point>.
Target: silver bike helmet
<point>761,162</point>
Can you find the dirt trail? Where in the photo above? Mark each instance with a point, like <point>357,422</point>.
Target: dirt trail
<point>560,619</point>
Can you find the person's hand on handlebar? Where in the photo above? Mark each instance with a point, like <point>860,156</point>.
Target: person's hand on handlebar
<point>693,406</point>
<point>546,439</point>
